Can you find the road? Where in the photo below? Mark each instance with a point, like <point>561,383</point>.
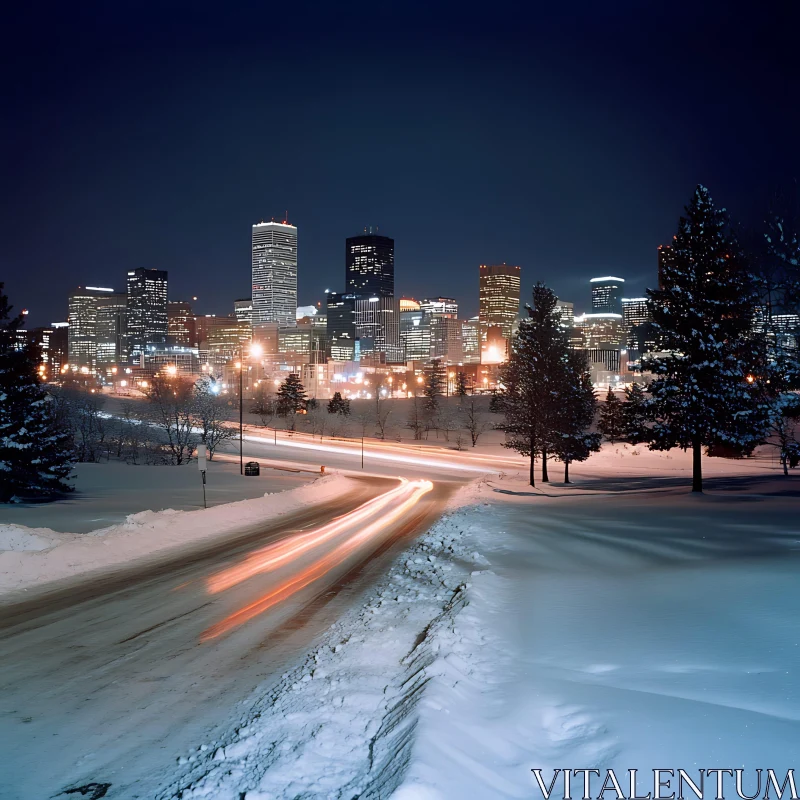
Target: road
<point>110,682</point>
<point>433,461</point>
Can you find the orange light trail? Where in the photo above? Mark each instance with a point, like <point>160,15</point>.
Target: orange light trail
<point>274,555</point>
<point>320,567</point>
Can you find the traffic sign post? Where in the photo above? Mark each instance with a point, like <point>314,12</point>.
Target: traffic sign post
<point>201,465</point>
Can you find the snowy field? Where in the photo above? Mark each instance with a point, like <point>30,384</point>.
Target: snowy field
<point>105,494</point>
<point>31,554</point>
<point>619,623</point>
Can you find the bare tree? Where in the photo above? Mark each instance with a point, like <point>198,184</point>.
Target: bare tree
<point>211,414</point>
<point>317,420</point>
<point>446,421</point>
<point>382,413</point>
<point>171,406</point>
<point>264,405</point>
<point>475,420</point>
<point>416,418</point>
<point>79,411</point>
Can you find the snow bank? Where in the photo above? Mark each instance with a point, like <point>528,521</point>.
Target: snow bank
<point>341,724</point>
<point>30,557</point>
<point>19,539</point>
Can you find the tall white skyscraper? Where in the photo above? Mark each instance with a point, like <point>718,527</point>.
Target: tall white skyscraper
<point>274,273</point>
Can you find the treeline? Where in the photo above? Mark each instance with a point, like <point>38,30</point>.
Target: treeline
<point>725,371</point>
<point>427,413</point>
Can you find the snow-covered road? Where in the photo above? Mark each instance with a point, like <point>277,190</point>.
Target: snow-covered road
<point>110,681</point>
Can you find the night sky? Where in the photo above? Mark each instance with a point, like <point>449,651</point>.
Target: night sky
<point>564,137</point>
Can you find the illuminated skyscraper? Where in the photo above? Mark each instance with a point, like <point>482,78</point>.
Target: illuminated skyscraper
<point>369,265</point>
<point>607,295</point>
<point>148,321</point>
<point>499,304</point>
<point>82,331</point>
<point>634,313</point>
<point>112,327</point>
<point>274,268</point>
<point>180,323</point>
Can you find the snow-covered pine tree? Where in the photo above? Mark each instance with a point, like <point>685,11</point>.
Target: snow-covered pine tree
<point>611,423</point>
<point>532,377</point>
<point>461,384</point>
<point>703,315</point>
<point>635,415</point>
<point>291,396</point>
<point>573,440</point>
<point>434,386</point>
<point>36,455</point>
<point>339,405</point>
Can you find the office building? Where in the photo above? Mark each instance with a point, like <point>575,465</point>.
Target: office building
<point>566,314</point>
<point>415,334</point>
<point>635,312</point>
<point>148,322</point>
<point>446,339</point>
<point>274,272</point>
<point>51,343</point>
<point>601,331</point>
<point>111,331</point>
<point>377,324</point>
<point>180,323</point>
<point>440,307</point>
<point>243,310</point>
<point>499,286</point>
<point>227,339</point>
<point>607,295</point>
<point>408,304</point>
<point>471,340</point>
<point>82,329</point>
<point>341,326</point>
<point>369,265</point>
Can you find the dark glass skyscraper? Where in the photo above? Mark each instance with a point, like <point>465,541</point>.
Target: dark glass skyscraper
<point>369,265</point>
<point>147,309</point>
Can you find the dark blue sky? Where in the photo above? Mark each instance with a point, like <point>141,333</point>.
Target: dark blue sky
<point>564,137</point>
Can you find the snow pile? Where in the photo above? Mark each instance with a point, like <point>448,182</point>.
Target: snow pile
<point>33,556</point>
<point>18,539</point>
<point>341,724</point>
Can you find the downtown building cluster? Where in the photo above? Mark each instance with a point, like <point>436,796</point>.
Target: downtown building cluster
<point>122,338</point>
<point>362,328</point>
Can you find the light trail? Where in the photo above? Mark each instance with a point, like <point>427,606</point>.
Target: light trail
<point>401,458</point>
<point>323,565</point>
<point>274,555</point>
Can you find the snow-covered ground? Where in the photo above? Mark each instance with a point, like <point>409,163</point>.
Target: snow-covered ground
<point>31,556</point>
<point>105,494</point>
<point>620,623</point>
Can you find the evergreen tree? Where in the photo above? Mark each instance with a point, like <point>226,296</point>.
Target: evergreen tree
<point>291,396</point>
<point>703,315</point>
<point>36,454</point>
<point>611,423</point>
<point>573,441</point>
<point>634,415</point>
<point>533,378</point>
<point>461,384</point>
<point>434,385</point>
<point>339,405</point>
